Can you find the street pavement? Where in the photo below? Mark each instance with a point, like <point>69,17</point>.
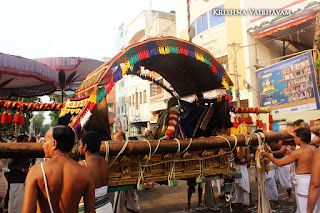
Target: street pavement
<point>164,199</point>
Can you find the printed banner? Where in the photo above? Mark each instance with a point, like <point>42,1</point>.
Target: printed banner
<point>289,83</point>
<point>121,123</point>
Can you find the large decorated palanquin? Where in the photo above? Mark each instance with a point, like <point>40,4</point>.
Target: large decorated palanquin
<point>126,170</point>
<point>189,69</point>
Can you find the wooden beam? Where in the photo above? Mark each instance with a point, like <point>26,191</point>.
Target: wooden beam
<point>34,150</point>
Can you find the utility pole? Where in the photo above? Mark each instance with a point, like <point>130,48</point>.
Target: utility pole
<point>236,74</point>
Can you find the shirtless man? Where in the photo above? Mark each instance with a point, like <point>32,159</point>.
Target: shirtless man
<point>302,158</point>
<point>55,183</point>
<point>99,167</point>
<point>314,189</point>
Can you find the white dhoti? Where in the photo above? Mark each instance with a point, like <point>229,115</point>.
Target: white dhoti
<point>219,183</point>
<point>242,186</point>
<point>302,189</point>
<point>16,196</point>
<point>271,186</point>
<point>128,199</point>
<point>283,176</point>
<point>101,203</point>
<point>107,208</point>
<point>249,173</point>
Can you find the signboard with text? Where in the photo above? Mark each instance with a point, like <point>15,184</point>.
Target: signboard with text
<point>288,83</point>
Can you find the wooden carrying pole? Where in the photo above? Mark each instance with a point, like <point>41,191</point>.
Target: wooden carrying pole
<point>34,150</point>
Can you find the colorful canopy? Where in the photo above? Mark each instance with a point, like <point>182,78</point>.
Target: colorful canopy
<point>187,67</point>
<point>25,77</point>
<point>83,66</point>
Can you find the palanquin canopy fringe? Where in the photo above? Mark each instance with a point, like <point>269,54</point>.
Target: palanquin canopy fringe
<point>189,69</point>
<point>178,61</point>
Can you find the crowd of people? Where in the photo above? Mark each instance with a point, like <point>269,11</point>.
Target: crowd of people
<point>13,184</point>
<point>298,164</point>
<point>60,184</point>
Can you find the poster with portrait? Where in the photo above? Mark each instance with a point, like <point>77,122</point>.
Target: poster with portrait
<point>288,83</point>
<point>121,123</point>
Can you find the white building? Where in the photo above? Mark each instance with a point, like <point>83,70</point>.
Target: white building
<point>139,99</point>
<point>238,33</point>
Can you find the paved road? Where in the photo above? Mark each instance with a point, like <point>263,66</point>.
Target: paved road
<point>164,199</point>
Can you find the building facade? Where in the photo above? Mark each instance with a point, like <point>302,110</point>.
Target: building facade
<point>138,100</point>
<point>229,29</point>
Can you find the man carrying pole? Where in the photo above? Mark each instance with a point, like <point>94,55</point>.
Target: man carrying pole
<point>302,158</point>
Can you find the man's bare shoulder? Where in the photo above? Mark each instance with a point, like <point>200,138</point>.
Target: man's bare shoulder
<point>102,160</point>
<point>306,151</point>
<point>78,170</point>
<point>298,152</point>
<point>313,148</point>
<point>67,166</point>
<point>35,171</point>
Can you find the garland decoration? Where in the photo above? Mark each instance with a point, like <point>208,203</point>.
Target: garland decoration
<point>13,105</point>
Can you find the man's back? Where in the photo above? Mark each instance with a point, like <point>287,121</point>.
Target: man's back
<point>99,169</point>
<point>67,182</point>
<point>304,159</point>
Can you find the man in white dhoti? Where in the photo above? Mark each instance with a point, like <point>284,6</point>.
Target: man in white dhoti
<point>128,199</point>
<point>302,158</point>
<point>242,190</point>
<point>271,185</point>
<point>219,182</point>
<point>282,173</point>
<point>314,189</point>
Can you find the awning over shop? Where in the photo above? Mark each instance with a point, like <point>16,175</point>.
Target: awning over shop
<point>303,13</point>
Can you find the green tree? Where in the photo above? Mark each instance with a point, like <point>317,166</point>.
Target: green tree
<point>45,128</point>
<point>27,115</point>
<point>38,120</point>
<point>54,115</point>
